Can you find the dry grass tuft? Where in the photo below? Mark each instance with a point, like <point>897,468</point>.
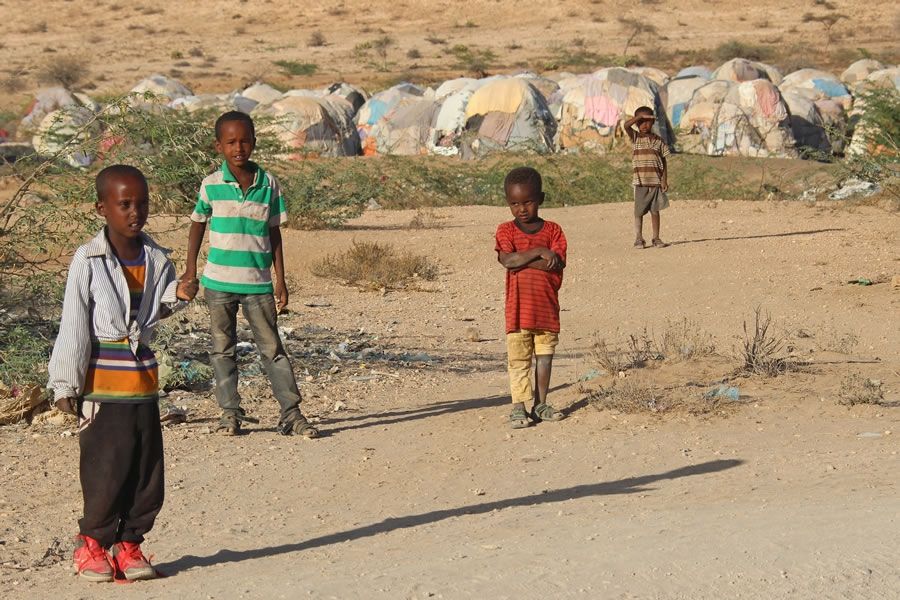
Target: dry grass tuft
<point>67,71</point>
<point>631,395</point>
<point>856,389</point>
<point>375,266</point>
<point>762,349</point>
<point>685,340</point>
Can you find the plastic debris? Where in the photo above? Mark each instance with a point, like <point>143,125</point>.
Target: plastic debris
<point>723,391</point>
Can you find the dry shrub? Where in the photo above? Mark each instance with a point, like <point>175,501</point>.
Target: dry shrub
<point>425,218</point>
<point>608,359</point>
<point>761,351</point>
<point>856,389</point>
<point>685,340</point>
<point>376,266</point>
<point>842,343</point>
<point>631,395</point>
<point>67,71</point>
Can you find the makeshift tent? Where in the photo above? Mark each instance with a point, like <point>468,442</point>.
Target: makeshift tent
<point>450,121</point>
<point>59,128</point>
<point>261,93</point>
<point>858,71</point>
<point>657,76</point>
<point>817,85</point>
<point>863,130</point>
<point>807,124</point>
<point>48,100</point>
<point>695,71</point>
<point>379,105</point>
<point>407,128</point>
<point>355,96</point>
<point>741,69</point>
<point>882,79</point>
<point>743,119</point>
<point>544,85</point>
<point>507,113</point>
<point>312,125</point>
<point>164,89</point>
<point>677,95</point>
<point>594,107</point>
<point>219,102</point>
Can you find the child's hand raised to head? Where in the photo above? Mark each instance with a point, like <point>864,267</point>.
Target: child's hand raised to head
<point>187,288</point>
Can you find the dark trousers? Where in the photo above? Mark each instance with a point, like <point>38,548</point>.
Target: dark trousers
<point>259,310</point>
<point>121,470</point>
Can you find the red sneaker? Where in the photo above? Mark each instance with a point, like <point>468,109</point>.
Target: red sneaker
<point>131,562</point>
<point>91,560</point>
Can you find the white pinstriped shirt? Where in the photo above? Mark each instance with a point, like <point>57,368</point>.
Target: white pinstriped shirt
<point>97,306</point>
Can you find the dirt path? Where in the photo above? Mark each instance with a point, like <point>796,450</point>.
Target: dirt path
<point>419,490</point>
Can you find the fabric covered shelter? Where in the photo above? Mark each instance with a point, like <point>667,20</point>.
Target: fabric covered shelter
<point>165,88</point>
<point>741,69</point>
<point>261,93</point>
<point>677,95</point>
<point>738,119</point>
<point>355,96</point>
<point>407,129</point>
<point>377,107</point>
<point>817,85</point>
<point>48,100</point>
<point>312,125</point>
<point>815,128</point>
<point>858,71</point>
<point>507,113</point>
<point>595,106</point>
<point>59,127</point>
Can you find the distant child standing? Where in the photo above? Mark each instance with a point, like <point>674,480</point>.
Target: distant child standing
<point>120,285</point>
<point>533,251</point>
<point>244,208</point>
<point>650,174</point>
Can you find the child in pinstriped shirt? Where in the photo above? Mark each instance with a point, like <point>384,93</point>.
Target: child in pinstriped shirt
<point>120,285</point>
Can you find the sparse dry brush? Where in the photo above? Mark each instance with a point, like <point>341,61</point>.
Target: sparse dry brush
<point>856,389</point>
<point>762,350</point>
<point>376,266</point>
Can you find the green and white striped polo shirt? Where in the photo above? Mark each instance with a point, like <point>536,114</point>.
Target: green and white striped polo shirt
<point>240,252</point>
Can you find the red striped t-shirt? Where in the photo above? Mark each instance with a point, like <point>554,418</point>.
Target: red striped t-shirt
<point>532,295</point>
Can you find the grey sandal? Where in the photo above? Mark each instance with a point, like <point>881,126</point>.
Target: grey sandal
<point>299,427</point>
<point>545,412</point>
<point>518,418</point>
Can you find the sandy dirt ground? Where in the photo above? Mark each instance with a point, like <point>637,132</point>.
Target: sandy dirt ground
<point>218,45</point>
<point>418,489</point>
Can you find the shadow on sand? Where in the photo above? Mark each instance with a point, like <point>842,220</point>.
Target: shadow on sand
<point>629,485</point>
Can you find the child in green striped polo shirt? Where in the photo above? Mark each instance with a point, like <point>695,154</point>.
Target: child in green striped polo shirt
<point>244,208</point>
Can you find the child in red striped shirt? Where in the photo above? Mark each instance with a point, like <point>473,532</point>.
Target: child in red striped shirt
<point>533,251</point>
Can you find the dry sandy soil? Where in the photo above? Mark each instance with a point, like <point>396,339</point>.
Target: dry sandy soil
<point>217,45</point>
<point>418,489</point>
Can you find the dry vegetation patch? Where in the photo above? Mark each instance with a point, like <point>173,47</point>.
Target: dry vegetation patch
<point>376,266</point>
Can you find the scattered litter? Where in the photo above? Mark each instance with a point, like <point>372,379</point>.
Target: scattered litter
<point>339,406</point>
<point>726,392</point>
<point>868,434</point>
<point>592,374</point>
<point>861,281</point>
<point>245,348</point>
<point>172,415</point>
<point>417,357</point>
<point>372,204</point>
<point>853,187</point>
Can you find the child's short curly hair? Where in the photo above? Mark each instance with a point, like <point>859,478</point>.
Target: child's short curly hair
<point>524,176</point>
<point>234,115</point>
<point>104,177</point>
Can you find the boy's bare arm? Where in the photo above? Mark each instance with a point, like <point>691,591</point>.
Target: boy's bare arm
<point>629,124</point>
<point>189,278</point>
<point>664,180</point>
<point>281,291</point>
<point>540,258</point>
